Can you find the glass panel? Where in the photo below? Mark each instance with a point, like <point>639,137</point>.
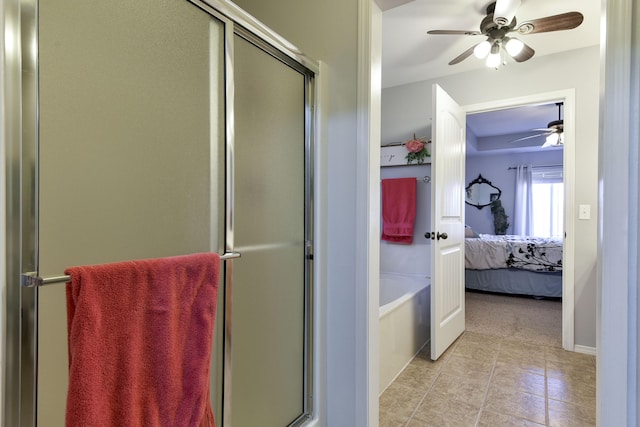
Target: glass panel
<point>129,108</point>
<point>268,281</point>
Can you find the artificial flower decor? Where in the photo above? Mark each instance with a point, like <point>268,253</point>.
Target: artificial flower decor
<point>417,150</point>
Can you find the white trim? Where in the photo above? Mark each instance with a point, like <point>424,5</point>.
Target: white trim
<point>368,212</point>
<point>585,349</point>
<point>617,287</point>
<point>568,273</point>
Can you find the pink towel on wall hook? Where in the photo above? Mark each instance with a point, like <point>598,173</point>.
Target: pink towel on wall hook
<point>398,209</point>
<point>140,335</point>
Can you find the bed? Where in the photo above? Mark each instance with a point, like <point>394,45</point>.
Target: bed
<point>514,265</point>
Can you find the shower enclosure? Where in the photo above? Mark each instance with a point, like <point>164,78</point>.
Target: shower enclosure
<point>157,128</point>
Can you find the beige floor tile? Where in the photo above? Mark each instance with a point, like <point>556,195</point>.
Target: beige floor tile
<point>565,356</point>
<point>419,375</point>
<point>522,348</point>
<point>477,351</point>
<point>465,367</point>
<point>481,339</point>
<point>462,389</point>
<point>563,414</point>
<point>439,411</point>
<point>493,380</point>
<point>541,330</point>
<point>517,404</point>
<point>399,400</point>
<point>425,355</point>
<point>494,419</point>
<point>572,391</point>
<point>425,361</point>
<point>438,421</point>
<point>391,419</point>
<point>508,376</point>
<point>583,372</point>
<point>528,362</point>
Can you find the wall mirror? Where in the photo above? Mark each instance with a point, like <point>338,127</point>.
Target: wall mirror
<point>480,192</point>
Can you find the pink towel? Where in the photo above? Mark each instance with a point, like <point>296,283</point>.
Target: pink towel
<point>398,209</point>
<point>140,336</point>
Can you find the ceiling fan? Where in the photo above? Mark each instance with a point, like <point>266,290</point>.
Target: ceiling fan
<point>497,26</point>
<point>554,132</point>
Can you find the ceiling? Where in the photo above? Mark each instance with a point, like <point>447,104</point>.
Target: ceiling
<point>514,120</point>
<point>409,54</point>
<point>498,130</point>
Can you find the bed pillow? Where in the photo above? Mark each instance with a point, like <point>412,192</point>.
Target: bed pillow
<point>468,232</point>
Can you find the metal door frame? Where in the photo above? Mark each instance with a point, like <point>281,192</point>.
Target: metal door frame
<point>20,138</point>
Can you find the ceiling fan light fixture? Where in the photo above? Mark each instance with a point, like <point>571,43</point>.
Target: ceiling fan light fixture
<point>553,140</point>
<point>498,23</point>
<point>514,47</point>
<point>482,49</point>
<point>493,60</point>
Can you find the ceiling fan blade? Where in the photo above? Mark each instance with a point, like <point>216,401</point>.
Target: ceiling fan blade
<point>455,32</point>
<point>525,54</point>
<point>464,55</point>
<point>528,137</point>
<point>564,21</point>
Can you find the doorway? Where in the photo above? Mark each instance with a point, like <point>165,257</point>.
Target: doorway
<point>506,154</point>
<point>568,98</point>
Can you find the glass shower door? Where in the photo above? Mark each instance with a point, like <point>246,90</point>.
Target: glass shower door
<point>167,128</point>
<point>269,309</point>
<point>131,108</point>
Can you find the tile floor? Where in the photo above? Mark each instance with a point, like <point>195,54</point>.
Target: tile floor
<point>486,380</point>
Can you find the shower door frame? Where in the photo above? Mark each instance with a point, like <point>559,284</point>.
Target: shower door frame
<point>19,93</point>
<point>240,24</point>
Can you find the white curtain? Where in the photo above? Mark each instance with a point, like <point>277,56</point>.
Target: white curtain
<point>523,215</point>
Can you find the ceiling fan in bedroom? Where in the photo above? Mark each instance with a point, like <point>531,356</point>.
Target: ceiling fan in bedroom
<point>498,26</point>
<point>554,132</point>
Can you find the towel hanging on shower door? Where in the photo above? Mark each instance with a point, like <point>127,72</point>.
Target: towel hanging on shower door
<point>140,335</point>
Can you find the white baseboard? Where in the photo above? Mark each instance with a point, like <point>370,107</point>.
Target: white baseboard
<point>584,349</point>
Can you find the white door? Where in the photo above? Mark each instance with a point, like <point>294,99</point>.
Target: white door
<point>447,262</point>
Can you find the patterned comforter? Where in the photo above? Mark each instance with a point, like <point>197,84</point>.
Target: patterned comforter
<point>527,253</point>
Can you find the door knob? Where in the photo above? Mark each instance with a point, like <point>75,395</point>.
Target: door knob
<point>442,236</point>
<point>430,235</point>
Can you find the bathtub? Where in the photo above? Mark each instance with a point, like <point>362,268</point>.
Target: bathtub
<point>404,326</point>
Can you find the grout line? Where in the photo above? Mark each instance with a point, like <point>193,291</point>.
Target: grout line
<point>444,362</point>
<point>421,400</point>
<point>546,389</point>
<point>486,391</point>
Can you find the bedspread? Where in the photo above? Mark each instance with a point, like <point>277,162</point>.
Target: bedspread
<point>527,253</point>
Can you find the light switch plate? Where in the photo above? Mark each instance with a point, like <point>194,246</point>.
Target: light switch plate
<point>584,212</point>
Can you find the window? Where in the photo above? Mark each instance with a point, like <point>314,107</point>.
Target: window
<point>548,202</point>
